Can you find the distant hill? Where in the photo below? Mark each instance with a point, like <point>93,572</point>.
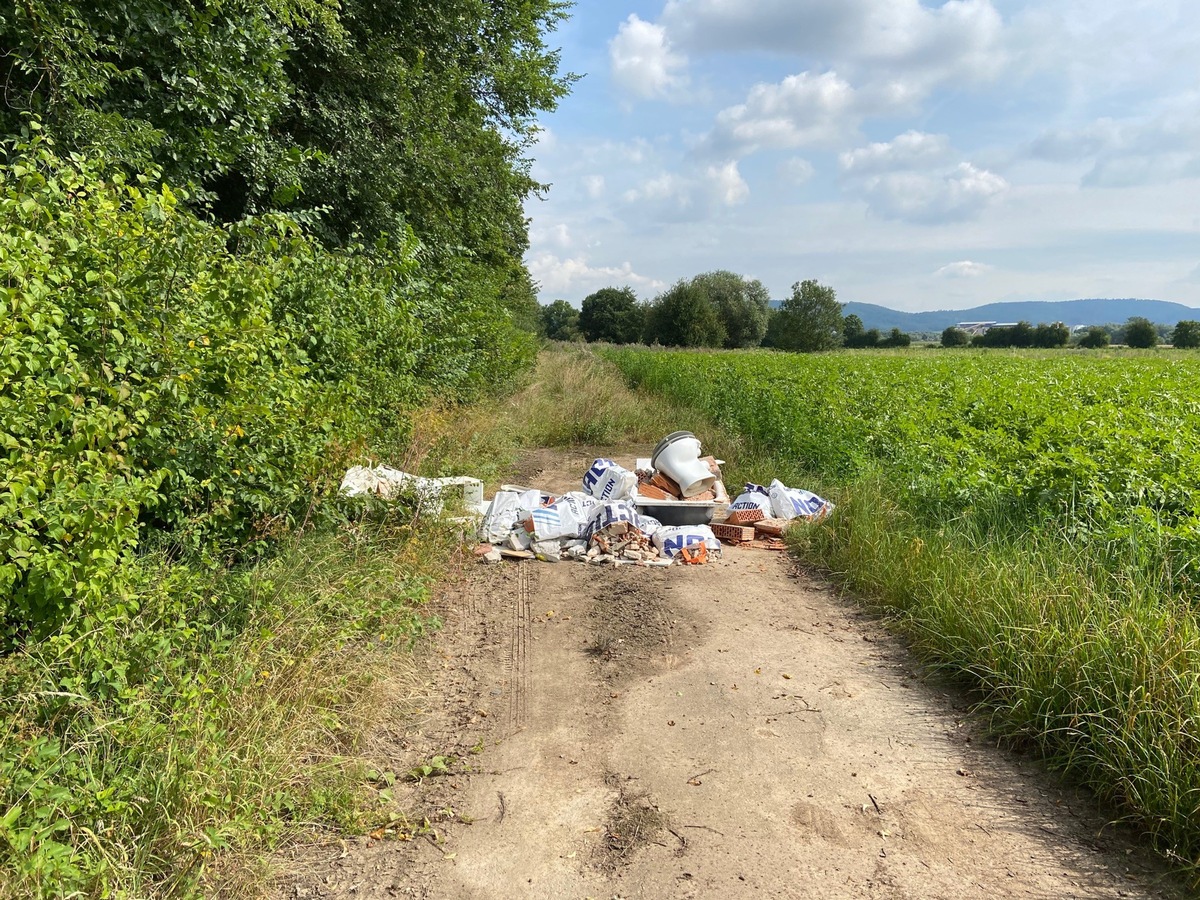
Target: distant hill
<point>1069,312</point>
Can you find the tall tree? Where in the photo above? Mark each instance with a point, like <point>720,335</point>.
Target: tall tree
<point>560,321</point>
<point>955,337</point>
<point>1186,335</point>
<point>1141,333</point>
<point>809,320</point>
<point>613,315</point>
<point>683,316</point>
<point>363,115</point>
<point>741,305</point>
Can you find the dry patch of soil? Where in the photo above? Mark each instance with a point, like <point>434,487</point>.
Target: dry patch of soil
<point>730,731</point>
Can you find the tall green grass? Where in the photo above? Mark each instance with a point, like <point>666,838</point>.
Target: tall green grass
<point>1097,668</point>
<point>221,715</point>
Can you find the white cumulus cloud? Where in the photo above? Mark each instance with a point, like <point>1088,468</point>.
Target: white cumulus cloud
<point>643,61</point>
<point>728,184</point>
<point>801,111</point>
<point>689,195</point>
<point>911,150</point>
<point>927,198</point>
<point>576,276</point>
<point>912,179</point>
<point>904,46</point>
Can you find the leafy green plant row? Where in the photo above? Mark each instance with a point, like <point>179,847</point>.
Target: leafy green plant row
<point>167,380</point>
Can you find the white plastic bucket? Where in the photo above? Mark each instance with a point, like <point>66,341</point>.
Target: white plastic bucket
<point>678,457</point>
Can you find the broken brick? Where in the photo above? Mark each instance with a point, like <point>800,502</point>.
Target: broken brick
<point>772,527</point>
<point>653,492</point>
<point>745,516</point>
<point>735,533</point>
<point>662,481</point>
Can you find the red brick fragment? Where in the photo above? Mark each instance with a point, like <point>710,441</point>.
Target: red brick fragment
<point>653,492</point>
<point>662,481</point>
<point>745,516</point>
<point>735,533</point>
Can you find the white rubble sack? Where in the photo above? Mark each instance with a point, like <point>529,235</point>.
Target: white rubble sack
<point>566,518</point>
<point>503,513</point>
<point>672,541</point>
<point>432,493</point>
<point>613,518</point>
<point>754,496</point>
<point>794,503</point>
<point>608,482</point>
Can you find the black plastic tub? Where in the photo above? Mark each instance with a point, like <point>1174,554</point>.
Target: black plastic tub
<point>678,512</point>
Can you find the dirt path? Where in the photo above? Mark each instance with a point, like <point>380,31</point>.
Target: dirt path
<point>730,731</point>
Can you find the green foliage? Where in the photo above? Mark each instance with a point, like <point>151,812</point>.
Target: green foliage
<point>612,315</point>
<point>955,337</point>
<point>895,338</point>
<point>1095,338</point>
<point>1186,335</point>
<point>1024,335</point>
<point>560,321</point>
<point>809,320</point>
<point>683,316</point>
<point>157,383</point>
<point>1049,336</point>
<point>191,87</point>
<point>437,765</point>
<point>855,334</point>
<point>367,121</point>
<point>1141,333</point>
<point>156,734</point>
<point>741,305</point>
<point>377,113</point>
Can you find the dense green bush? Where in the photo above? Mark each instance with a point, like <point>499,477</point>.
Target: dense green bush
<point>200,382</point>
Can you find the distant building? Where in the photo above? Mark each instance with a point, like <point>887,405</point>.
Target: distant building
<point>974,328</point>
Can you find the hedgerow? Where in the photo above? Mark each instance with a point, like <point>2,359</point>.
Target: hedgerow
<point>177,397</point>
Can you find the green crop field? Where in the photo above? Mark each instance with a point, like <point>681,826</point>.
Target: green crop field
<point>1107,448</point>
<point>1031,522</point>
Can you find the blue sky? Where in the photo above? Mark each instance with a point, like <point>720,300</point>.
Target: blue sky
<point>917,155</point>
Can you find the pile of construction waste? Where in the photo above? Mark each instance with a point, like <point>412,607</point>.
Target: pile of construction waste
<point>671,508</point>
<point>667,509</point>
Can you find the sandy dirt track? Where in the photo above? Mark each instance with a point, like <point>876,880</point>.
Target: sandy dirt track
<point>730,731</point>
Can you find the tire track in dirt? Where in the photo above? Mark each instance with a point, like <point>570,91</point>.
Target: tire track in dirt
<point>518,654</point>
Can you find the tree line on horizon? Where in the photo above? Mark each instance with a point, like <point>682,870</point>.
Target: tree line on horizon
<point>724,310</point>
<point>716,310</point>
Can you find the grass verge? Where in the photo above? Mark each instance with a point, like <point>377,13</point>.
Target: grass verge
<point>1100,673</point>
<point>165,737</point>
